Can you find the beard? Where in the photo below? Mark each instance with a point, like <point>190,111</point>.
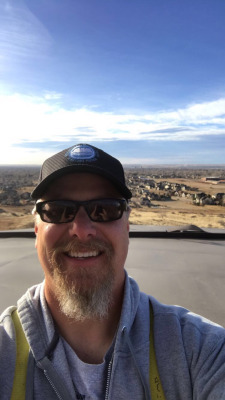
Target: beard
<point>83,293</point>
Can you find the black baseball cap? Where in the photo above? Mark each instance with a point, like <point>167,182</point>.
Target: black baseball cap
<point>81,158</point>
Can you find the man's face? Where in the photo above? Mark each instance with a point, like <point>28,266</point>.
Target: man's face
<point>83,261</point>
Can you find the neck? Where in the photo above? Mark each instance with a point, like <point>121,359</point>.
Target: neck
<point>89,338</point>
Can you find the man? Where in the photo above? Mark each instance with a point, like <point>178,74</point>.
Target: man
<point>87,324</point>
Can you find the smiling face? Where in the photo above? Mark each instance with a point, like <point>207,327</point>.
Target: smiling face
<point>83,261</point>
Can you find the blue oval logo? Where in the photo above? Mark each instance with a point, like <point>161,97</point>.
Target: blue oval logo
<point>82,152</point>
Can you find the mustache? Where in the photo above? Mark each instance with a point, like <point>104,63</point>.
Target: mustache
<point>77,245</point>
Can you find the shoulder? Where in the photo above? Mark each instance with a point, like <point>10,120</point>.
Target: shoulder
<point>7,349</point>
<point>186,319</point>
<point>200,338</point>
<point>6,322</point>
<point>27,300</point>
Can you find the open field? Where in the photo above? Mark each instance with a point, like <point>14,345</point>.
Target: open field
<point>13,217</point>
<point>204,217</point>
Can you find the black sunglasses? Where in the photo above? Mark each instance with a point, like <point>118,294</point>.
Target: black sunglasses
<point>63,211</point>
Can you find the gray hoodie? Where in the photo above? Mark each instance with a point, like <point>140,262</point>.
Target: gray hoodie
<point>190,352</point>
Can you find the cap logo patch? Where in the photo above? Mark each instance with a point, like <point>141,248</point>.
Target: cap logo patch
<point>82,152</point>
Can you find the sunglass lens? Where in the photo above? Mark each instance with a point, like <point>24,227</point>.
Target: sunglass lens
<point>105,210</point>
<point>52,212</point>
<point>55,212</point>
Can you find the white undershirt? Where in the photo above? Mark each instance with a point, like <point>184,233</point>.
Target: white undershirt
<point>89,379</point>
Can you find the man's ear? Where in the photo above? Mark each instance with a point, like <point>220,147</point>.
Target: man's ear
<point>128,226</point>
<point>128,215</point>
<point>36,233</point>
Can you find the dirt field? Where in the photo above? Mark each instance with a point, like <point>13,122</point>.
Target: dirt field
<point>15,217</point>
<point>204,217</point>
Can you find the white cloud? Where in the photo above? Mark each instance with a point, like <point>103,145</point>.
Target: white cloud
<point>53,96</point>
<point>30,119</point>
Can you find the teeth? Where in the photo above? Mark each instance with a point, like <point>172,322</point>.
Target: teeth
<point>83,255</point>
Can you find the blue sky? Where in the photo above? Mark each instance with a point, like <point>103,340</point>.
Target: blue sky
<point>142,79</point>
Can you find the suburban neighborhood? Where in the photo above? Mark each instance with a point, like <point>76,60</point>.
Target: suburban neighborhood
<point>147,185</point>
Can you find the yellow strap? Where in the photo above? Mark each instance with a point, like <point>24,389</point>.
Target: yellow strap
<point>154,378</point>
<point>22,352</point>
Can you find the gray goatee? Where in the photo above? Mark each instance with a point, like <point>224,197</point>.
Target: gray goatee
<point>84,293</point>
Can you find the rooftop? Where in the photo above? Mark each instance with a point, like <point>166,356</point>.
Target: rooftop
<point>187,271</point>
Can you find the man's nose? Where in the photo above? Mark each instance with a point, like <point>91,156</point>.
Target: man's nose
<point>82,227</point>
